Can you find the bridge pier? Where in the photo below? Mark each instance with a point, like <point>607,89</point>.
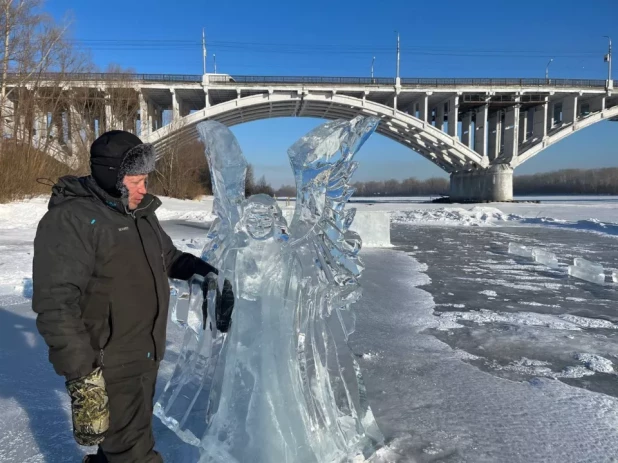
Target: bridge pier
<point>480,130</point>
<point>492,184</point>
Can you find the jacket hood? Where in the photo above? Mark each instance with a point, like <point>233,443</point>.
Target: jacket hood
<point>70,187</point>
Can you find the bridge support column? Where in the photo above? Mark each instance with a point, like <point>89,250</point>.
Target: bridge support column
<point>144,117</point>
<point>466,129</point>
<point>597,105</point>
<point>423,108</point>
<point>551,115</point>
<point>569,109</point>
<point>492,184</point>
<point>184,108</point>
<point>440,116</point>
<point>495,131</point>
<point>75,136</point>
<point>539,120</point>
<point>152,117</point>
<point>511,133</point>
<point>523,126</point>
<point>175,106</point>
<point>480,130</point>
<point>40,125</point>
<point>111,121</point>
<point>453,116</point>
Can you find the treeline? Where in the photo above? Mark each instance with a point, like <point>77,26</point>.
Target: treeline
<point>183,173</point>
<point>568,182</point>
<point>46,130</point>
<point>407,187</point>
<point>47,127</point>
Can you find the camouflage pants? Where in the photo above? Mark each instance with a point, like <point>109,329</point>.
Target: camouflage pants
<point>130,390</point>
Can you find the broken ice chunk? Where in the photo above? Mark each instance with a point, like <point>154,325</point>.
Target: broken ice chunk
<point>615,276</point>
<point>590,274</point>
<point>579,262</point>
<point>520,250</point>
<point>596,363</point>
<point>546,258</point>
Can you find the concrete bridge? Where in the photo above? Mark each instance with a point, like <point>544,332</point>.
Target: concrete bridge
<point>477,130</point>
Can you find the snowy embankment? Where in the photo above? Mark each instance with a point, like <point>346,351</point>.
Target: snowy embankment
<point>18,223</point>
<point>488,216</point>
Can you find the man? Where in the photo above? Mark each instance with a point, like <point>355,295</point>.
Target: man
<point>101,292</point>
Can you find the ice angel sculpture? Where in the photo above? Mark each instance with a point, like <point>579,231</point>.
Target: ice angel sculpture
<point>282,384</point>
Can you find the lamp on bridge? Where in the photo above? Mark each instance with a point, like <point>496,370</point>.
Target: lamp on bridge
<point>547,69</point>
<point>397,79</point>
<point>608,60</point>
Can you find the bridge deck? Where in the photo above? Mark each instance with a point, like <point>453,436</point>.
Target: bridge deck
<point>222,79</point>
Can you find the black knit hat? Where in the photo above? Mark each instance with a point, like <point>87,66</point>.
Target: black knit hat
<point>118,153</point>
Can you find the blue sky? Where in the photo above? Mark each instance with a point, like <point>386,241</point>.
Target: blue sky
<point>339,38</point>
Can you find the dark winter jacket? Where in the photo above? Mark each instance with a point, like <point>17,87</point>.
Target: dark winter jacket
<point>100,278</point>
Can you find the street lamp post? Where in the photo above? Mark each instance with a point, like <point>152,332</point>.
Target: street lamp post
<point>547,69</point>
<point>214,58</point>
<point>372,62</point>
<point>204,48</point>
<point>397,76</point>
<point>608,60</point>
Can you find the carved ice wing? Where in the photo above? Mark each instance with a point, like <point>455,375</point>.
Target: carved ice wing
<point>228,168</point>
<point>323,167</point>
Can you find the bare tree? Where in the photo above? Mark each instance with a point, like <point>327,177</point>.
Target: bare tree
<point>182,169</point>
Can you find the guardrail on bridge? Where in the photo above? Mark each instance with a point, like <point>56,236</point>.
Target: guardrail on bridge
<point>274,80</point>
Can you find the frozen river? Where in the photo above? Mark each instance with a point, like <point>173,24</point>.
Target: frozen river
<point>469,354</point>
<point>473,355</point>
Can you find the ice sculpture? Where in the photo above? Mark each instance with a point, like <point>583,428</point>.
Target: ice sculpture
<point>282,384</point>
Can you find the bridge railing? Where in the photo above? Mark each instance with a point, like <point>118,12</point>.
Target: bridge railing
<point>227,79</point>
<point>502,82</point>
<point>407,81</point>
<point>104,77</point>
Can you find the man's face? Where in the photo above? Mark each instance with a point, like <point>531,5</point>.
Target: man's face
<point>136,185</point>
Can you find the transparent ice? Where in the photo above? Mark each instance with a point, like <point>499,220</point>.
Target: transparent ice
<point>282,384</point>
<point>520,250</point>
<point>587,273</point>
<point>583,263</point>
<point>546,258</point>
<point>586,270</point>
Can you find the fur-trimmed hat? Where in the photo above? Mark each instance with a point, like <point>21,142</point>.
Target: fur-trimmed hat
<point>116,154</point>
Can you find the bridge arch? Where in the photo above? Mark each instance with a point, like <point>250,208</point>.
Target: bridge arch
<point>563,131</point>
<point>446,152</point>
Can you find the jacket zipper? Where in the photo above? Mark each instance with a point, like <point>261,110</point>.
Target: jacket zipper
<point>132,213</point>
<point>161,247</point>
<point>111,332</point>
<point>154,342</point>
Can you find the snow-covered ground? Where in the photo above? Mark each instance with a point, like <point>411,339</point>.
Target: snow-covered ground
<point>468,353</point>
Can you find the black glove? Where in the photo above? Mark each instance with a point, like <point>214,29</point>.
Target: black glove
<point>188,265</point>
<point>225,306</point>
<point>89,407</point>
<point>224,303</point>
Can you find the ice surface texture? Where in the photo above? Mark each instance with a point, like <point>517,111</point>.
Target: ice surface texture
<point>282,384</point>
